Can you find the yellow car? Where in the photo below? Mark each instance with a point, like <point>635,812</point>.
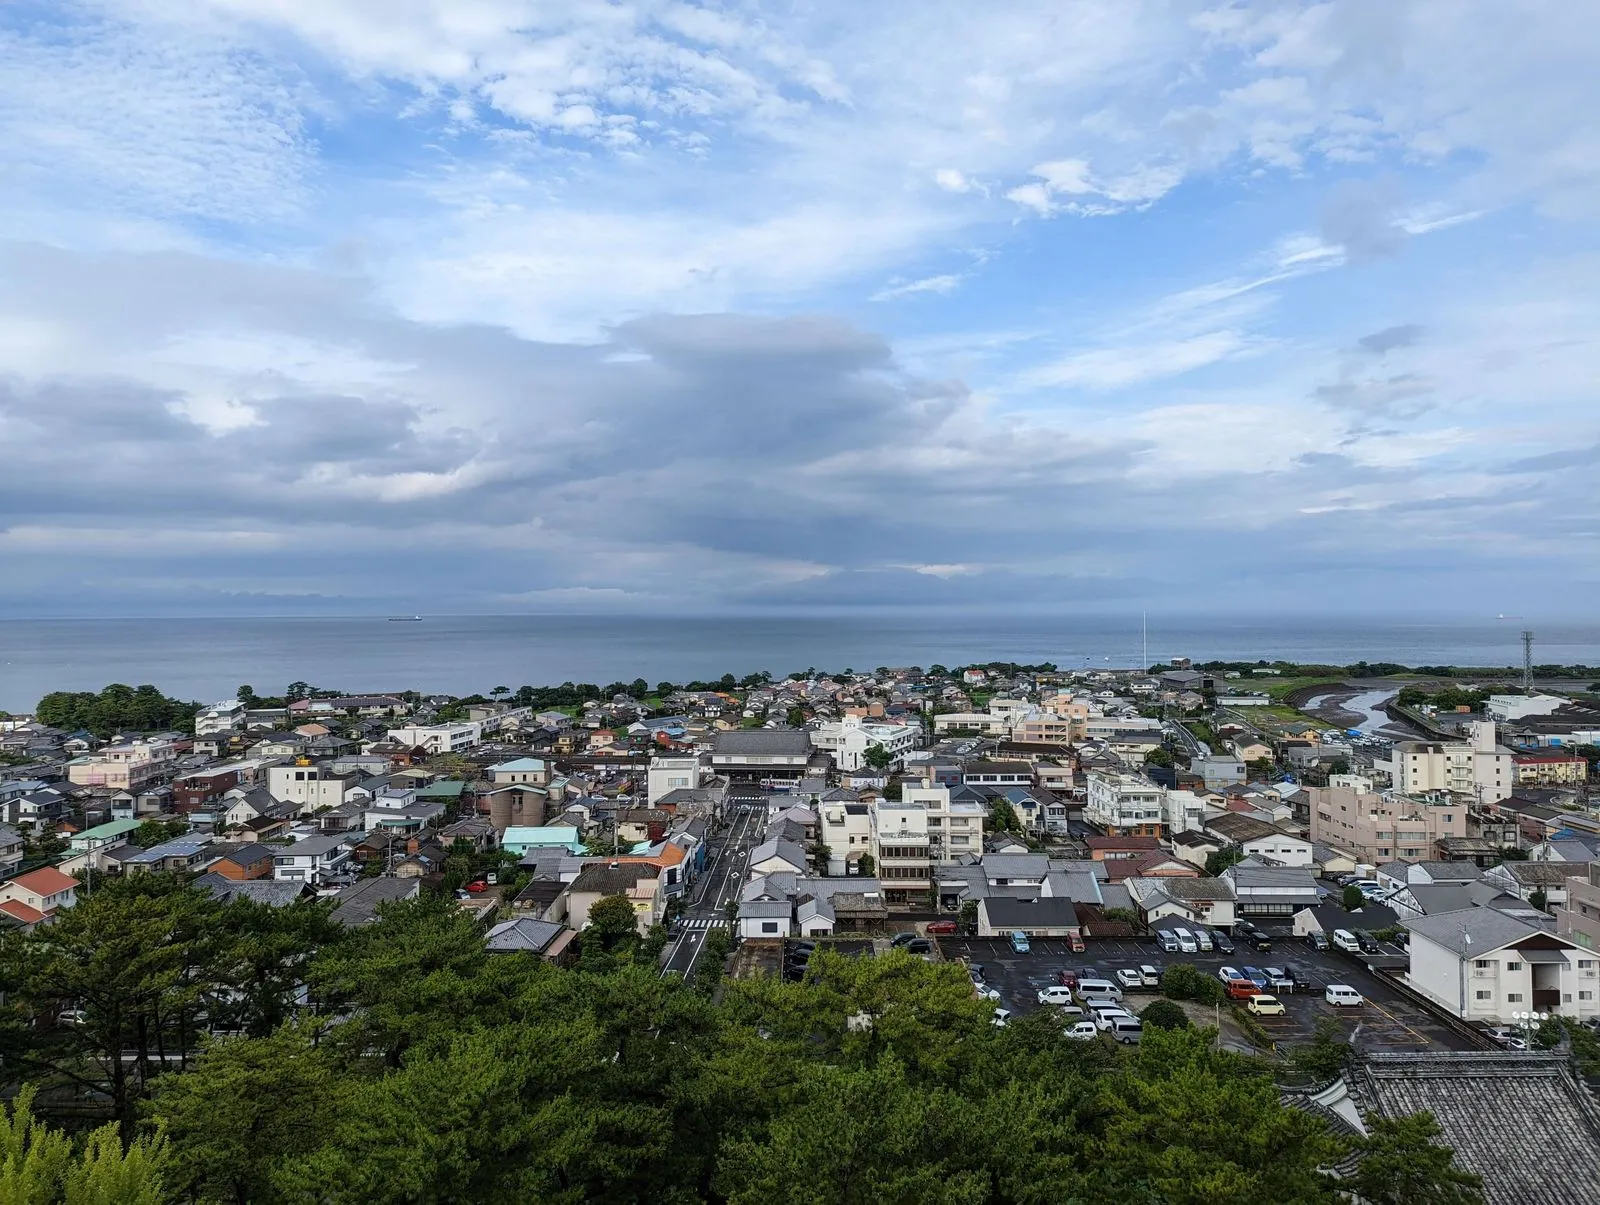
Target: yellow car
<point>1266,1006</point>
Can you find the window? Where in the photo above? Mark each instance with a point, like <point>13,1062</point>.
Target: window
<point>1513,966</point>
<point>769,926</point>
<point>1586,995</point>
<point>1481,995</point>
<point>1482,964</point>
<point>1513,997</point>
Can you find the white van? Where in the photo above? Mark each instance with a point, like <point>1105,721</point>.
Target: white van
<point>1342,996</point>
<point>1099,989</point>
<point>1186,942</point>
<point>1056,993</point>
<point>1345,940</point>
<point>1127,1030</point>
<point>1203,940</point>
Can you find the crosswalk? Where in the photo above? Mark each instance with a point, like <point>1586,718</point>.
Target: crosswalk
<point>703,922</point>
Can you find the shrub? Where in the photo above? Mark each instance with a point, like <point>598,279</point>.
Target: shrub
<point>1164,1014</point>
<point>1183,982</point>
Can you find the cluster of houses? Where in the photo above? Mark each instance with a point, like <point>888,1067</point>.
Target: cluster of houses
<point>1056,804</point>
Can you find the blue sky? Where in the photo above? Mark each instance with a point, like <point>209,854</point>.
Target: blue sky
<point>495,305</point>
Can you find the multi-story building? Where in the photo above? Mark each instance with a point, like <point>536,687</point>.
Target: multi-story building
<point>309,786</point>
<point>1579,917</point>
<point>439,738</point>
<point>847,832</point>
<point>1046,728</point>
<point>1550,768</point>
<point>926,827</point>
<point>311,859</point>
<point>668,774</point>
<point>1478,766</point>
<point>1125,805</point>
<point>773,757</point>
<point>1385,827</point>
<point>848,740</point>
<point>1486,965</point>
<point>224,717</point>
<point>123,767</point>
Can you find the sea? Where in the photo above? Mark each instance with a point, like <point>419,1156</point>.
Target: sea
<point>208,659</point>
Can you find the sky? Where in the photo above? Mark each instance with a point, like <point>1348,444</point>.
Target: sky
<point>492,306</point>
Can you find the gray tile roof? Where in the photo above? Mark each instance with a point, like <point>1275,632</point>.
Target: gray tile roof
<point>358,903</point>
<point>1521,1121</point>
<point>272,892</point>
<point>765,910</point>
<point>522,934</point>
<point>1472,932</point>
<point>790,852</point>
<point>769,742</point>
<point>1016,866</point>
<point>1030,914</point>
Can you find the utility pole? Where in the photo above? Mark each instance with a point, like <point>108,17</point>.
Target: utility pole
<point>1527,662</point>
<point>1144,641</point>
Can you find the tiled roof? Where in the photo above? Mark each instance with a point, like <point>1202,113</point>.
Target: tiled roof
<point>1521,1121</point>
<point>47,880</point>
<point>769,741</point>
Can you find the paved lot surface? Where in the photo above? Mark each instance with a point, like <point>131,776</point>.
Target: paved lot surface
<point>1388,1021</point>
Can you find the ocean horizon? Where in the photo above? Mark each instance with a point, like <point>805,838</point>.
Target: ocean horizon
<point>207,659</point>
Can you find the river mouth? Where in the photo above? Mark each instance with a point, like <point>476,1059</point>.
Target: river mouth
<point>1360,708</point>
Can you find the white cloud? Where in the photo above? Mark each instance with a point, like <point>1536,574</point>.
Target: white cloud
<point>1119,367</point>
<point>949,179</point>
<point>947,283</point>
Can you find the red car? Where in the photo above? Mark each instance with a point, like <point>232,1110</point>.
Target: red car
<point>478,888</point>
<point>942,928</point>
<point>1067,979</point>
<point>1241,989</point>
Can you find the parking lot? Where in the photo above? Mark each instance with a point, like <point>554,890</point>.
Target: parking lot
<point>1387,1021</point>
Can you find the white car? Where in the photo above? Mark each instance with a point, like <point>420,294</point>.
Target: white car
<point>1130,978</point>
<point>985,992</point>
<point>1103,1019</point>
<point>1001,1016</point>
<point>1226,974</point>
<point>1342,995</point>
<point>1151,976</point>
<point>1080,1030</point>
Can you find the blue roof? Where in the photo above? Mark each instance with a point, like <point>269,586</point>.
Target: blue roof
<point>182,847</point>
<point>525,764</point>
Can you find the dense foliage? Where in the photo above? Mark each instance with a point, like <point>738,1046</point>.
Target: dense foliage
<point>425,1069</point>
<point>117,708</point>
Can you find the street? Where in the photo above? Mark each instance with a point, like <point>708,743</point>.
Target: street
<point>712,891</point>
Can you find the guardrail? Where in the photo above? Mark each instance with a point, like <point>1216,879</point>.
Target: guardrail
<point>1446,1018</point>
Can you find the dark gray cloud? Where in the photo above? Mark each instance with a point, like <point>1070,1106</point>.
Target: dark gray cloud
<point>1390,338</point>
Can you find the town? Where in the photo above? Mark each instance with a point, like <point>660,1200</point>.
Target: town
<point>1389,877</point>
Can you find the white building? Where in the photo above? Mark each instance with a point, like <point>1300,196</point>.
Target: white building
<point>439,738</point>
<point>310,787</point>
<point>1477,767</point>
<point>979,721</point>
<point>923,829</point>
<point>848,740</point>
<point>312,859</point>
<point>668,774</point>
<point>1125,805</point>
<point>1520,707</point>
<point>1484,965</point>
<point>847,832</point>
<point>226,716</point>
<point>1183,812</point>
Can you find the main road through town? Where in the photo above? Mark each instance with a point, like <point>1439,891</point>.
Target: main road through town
<point>709,896</point>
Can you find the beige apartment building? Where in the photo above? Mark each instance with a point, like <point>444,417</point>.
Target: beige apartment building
<point>123,767</point>
<point>1579,917</point>
<point>1385,827</point>
<point>1551,768</point>
<point>1045,728</point>
<point>1478,766</point>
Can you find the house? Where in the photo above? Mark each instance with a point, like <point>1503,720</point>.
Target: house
<point>1107,849</point>
<point>37,894</point>
<point>777,856</point>
<point>358,903</point>
<point>526,935</point>
<point>1196,846</point>
<point>1037,917</point>
<point>520,839</point>
<point>1265,891</point>
<point>1325,918</point>
<point>532,770</point>
<point>261,891</point>
<point>310,859</point>
<point>1259,839</point>
<point>1394,875</point>
<point>1204,901</point>
<point>241,863</point>
<point>11,849</point>
<point>640,882</point>
<point>169,857</point>
<point>1523,879</point>
<point>1485,965</point>
<point>768,919</point>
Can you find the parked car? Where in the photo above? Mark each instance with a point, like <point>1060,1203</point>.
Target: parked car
<point>1067,978</point>
<point>900,939</point>
<point>1019,942</point>
<point>1240,989</point>
<point>1130,978</point>
<point>1202,938</point>
<point>1149,975</point>
<point>1368,943</point>
<point>71,1016</point>
<point>1127,1030</point>
<point>1222,941</point>
<point>1256,976</point>
<point>477,886</point>
<point>1342,995</point>
<point>1104,1018</point>
<point>1506,1037</point>
<point>942,928</point>
<point>1317,939</point>
<point>985,992</point>
<point>1263,1005</point>
<point>1255,939</point>
<point>976,970</point>
<point>919,945</point>
<point>1186,941</point>
<point>1055,994</point>
<point>1345,940</point>
<point>1168,942</point>
<point>1227,973</point>
<point>1001,1016</point>
<point>1075,943</point>
<point>1081,1031</point>
<point>1280,980</point>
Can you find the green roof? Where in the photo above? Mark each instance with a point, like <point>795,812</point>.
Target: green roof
<point>114,828</point>
<point>445,789</point>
